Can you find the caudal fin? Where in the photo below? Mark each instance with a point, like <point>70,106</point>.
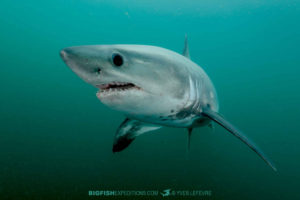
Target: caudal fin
<point>237,133</point>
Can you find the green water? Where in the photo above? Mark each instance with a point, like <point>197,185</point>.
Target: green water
<point>56,137</point>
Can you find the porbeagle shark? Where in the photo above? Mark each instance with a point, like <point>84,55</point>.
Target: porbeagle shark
<point>153,87</point>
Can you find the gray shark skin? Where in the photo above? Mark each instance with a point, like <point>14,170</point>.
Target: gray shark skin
<point>153,87</point>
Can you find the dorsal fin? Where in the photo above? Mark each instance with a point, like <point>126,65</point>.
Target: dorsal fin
<point>186,50</point>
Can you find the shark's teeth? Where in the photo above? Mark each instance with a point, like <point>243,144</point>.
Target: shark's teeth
<point>116,86</point>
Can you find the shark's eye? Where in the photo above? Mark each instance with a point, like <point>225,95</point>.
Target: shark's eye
<point>117,59</point>
<point>98,70</point>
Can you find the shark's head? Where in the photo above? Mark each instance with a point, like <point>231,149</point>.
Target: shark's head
<point>141,81</point>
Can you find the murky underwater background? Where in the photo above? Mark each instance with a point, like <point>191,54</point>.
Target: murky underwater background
<point>56,136</point>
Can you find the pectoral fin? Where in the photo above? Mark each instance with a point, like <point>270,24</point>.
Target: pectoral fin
<point>234,131</point>
<point>128,131</point>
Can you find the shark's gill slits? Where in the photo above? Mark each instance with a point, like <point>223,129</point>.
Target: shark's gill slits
<point>117,86</point>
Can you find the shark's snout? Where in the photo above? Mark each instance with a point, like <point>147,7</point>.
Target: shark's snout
<point>63,54</point>
<point>66,53</point>
<point>79,61</point>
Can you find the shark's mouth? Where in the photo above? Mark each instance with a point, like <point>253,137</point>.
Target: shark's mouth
<point>117,86</point>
